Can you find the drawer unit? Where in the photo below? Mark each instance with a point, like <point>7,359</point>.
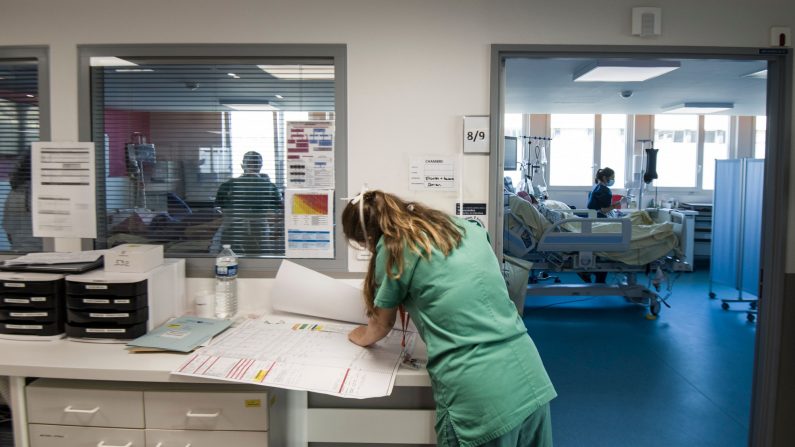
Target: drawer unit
<point>88,404</point>
<point>116,305</point>
<point>31,304</point>
<point>201,438</point>
<point>217,410</point>
<point>74,436</point>
<point>67,413</point>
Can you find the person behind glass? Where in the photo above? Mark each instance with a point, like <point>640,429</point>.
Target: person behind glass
<point>488,380</point>
<point>252,210</point>
<point>17,219</point>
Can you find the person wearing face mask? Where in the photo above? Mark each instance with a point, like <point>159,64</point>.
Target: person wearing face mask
<point>601,198</point>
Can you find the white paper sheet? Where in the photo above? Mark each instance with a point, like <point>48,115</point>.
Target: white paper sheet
<point>307,356</point>
<point>300,290</point>
<point>432,173</point>
<point>63,201</point>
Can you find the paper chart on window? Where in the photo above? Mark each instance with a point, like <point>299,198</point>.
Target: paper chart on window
<point>309,223</point>
<point>310,154</point>
<point>300,355</point>
<point>63,193</point>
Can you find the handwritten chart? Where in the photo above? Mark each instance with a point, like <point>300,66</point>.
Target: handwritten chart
<point>432,174</point>
<point>300,355</point>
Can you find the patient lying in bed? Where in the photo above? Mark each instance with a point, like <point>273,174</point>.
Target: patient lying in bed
<point>650,241</point>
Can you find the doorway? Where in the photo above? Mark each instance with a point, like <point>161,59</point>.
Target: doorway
<point>559,97</point>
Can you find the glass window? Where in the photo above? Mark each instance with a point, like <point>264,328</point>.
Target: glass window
<point>676,137</point>
<point>760,136</point>
<point>614,145</point>
<point>194,153</point>
<point>19,127</point>
<point>571,151</point>
<point>716,146</point>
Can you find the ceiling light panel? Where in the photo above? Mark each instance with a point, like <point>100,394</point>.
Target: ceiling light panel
<point>624,71</point>
<point>300,72</point>
<point>700,108</point>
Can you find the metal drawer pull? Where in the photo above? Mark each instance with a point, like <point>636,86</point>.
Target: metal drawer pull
<point>102,444</point>
<point>69,409</point>
<point>160,444</point>
<point>191,414</point>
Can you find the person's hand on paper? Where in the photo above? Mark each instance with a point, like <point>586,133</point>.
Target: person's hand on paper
<point>381,322</point>
<point>358,336</point>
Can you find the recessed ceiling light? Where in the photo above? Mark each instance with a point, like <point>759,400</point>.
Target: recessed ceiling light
<point>247,104</point>
<point>110,61</point>
<point>300,72</point>
<point>760,74</point>
<point>279,96</point>
<point>624,71</point>
<point>233,75</point>
<point>134,70</point>
<point>699,108</point>
<point>30,96</point>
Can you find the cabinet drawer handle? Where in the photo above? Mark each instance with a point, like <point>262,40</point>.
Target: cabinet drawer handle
<point>102,444</point>
<point>69,409</point>
<point>160,444</point>
<point>191,414</point>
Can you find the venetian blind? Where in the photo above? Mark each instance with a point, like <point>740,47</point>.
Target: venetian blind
<point>193,154</point>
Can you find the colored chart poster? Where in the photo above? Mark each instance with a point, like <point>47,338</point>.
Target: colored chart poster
<point>309,223</point>
<point>310,154</point>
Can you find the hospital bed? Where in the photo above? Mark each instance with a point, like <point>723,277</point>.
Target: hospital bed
<point>553,238</point>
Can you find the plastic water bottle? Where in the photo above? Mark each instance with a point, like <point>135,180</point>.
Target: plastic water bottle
<point>226,283</point>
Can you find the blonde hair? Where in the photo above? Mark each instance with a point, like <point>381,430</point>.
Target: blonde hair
<point>402,225</point>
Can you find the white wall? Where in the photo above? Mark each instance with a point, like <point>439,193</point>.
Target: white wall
<point>414,67</point>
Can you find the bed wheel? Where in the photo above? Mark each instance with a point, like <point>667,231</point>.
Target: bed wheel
<point>725,306</point>
<point>557,280</point>
<point>712,295</point>
<point>655,307</point>
<point>752,305</point>
<point>751,317</point>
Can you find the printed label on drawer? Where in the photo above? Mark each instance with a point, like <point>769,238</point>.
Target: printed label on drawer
<point>95,301</point>
<point>16,300</point>
<point>253,403</point>
<point>93,315</point>
<point>27,327</point>
<point>38,299</point>
<point>14,284</point>
<point>27,314</point>
<point>96,287</point>
<point>105,331</point>
<point>121,301</point>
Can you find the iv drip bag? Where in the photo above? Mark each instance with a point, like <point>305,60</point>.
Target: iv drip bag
<point>651,165</point>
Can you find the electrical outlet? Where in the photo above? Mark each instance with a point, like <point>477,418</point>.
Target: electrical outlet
<point>781,36</point>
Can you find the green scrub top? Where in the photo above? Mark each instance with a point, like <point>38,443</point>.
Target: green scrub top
<point>486,373</point>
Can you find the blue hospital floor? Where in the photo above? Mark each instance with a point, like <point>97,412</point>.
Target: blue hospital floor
<point>622,380</point>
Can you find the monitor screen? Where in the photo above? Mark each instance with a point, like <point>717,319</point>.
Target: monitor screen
<point>510,154</point>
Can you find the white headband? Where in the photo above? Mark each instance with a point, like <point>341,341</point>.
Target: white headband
<point>359,199</point>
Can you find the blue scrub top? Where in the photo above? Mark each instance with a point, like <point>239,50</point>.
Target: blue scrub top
<point>600,197</point>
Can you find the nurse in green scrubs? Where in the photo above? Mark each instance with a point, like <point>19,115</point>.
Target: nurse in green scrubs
<point>488,380</point>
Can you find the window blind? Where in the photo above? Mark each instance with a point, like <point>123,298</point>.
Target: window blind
<point>19,127</point>
<point>192,153</point>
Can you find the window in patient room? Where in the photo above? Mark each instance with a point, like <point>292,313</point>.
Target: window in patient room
<point>716,146</point>
<point>676,137</point>
<point>613,152</point>
<point>571,156</point>
<point>19,127</point>
<point>760,132</point>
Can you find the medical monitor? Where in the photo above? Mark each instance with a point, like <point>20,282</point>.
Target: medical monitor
<point>511,147</point>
